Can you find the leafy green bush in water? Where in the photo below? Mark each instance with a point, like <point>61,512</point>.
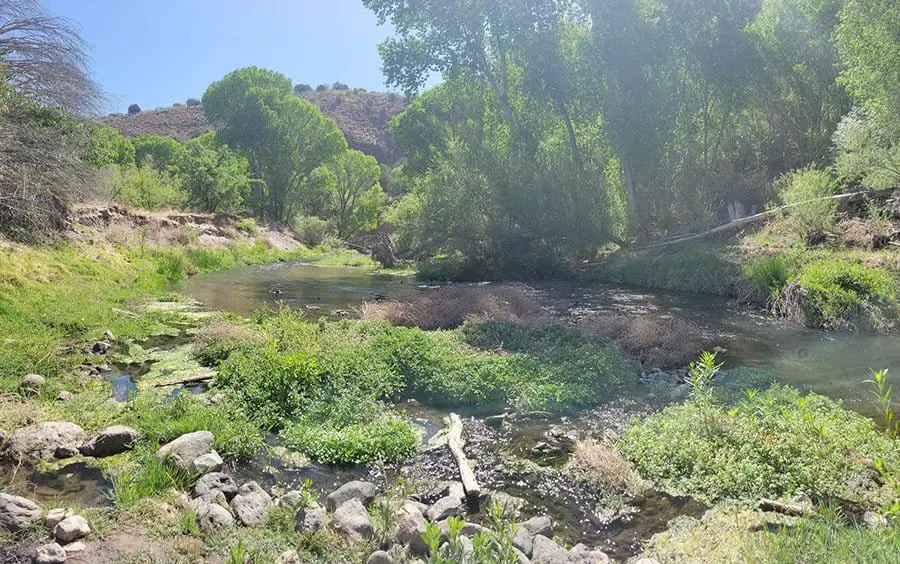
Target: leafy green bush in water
<point>837,293</point>
<point>776,442</point>
<point>806,190</point>
<point>386,439</point>
<point>769,274</point>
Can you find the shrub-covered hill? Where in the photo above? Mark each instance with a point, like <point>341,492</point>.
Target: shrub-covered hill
<point>362,116</point>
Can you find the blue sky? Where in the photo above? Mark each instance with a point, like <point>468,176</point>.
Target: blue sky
<point>158,52</point>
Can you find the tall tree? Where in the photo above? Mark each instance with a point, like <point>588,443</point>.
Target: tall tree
<point>351,181</point>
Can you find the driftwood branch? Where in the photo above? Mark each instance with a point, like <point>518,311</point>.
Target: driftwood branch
<point>786,508</point>
<point>456,444</point>
<point>189,380</point>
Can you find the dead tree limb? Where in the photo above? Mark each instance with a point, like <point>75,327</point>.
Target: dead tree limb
<point>786,508</point>
<point>456,444</point>
<point>189,380</point>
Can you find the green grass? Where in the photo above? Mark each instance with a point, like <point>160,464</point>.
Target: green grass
<point>774,443</point>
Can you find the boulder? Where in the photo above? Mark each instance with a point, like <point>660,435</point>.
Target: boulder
<point>288,557</point>
<point>363,491</point>
<point>100,347</point>
<point>49,439</point>
<point>213,497</point>
<point>449,506</point>
<point>309,519</point>
<point>510,503</point>
<point>185,449</point>
<point>546,551</point>
<point>251,505</point>
<point>65,395</point>
<point>580,554</point>
<point>50,553</point>
<point>352,520</point>
<point>523,541</point>
<point>74,548</point>
<point>33,382</point>
<point>380,557</point>
<point>213,517</point>
<point>16,512</point>
<point>542,525</point>
<point>411,529</point>
<point>215,482</point>
<point>54,516</point>
<point>110,441</point>
<point>290,499</point>
<point>209,462</point>
<point>71,529</point>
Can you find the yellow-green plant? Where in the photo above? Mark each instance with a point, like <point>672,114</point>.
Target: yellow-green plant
<point>882,394</point>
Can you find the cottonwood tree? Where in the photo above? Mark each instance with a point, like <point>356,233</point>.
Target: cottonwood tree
<point>351,182</point>
<point>45,58</point>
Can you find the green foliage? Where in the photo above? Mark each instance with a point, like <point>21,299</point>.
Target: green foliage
<point>494,547</point>
<point>311,230</point>
<point>807,191</point>
<point>354,195</point>
<point>774,443</point>
<point>158,151</point>
<point>882,391</point>
<point>836,293</point>
<point>148,478</point>
<point>144,188</point>
<point>217,179</point>
<point>109,147</point>
<point>768,274</point>
<point>382,440</point>
<point>247,225</point>
<point>865,153</point>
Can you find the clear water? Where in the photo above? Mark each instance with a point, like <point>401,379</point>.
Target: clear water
<point>834,364</point>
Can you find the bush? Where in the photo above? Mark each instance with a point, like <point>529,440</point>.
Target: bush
<point>864,152</point>
<point>774,443</point>
<point>767,276</point>
<point>301,88</point>
<point>340,86</point>
<point>247,225</point>
<point>144,188</point>
<point>807,191</point>
<point>833,294</point>
<point>192,102</point>
<point>382,440</point>
<point>134,109</point>
<point>310,230</point>
<point>322,88</point>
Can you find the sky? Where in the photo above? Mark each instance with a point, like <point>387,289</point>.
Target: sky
<point>158,52</point>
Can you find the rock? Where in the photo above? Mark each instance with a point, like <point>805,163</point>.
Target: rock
<point>4,436</point>
<point>213,517</point>
<point>411,529</point>
<point>291,499</point>
<point>215,482</point>
<point>352,519</point>
<point>74,548</point>
<point>33,382</point>
<point>71,529</point>
<point>213,497</point>
<point>646,561</point>
<point>539,526</point>
<point>54,516</point>
<point>108,335</point>
<point>468,529</point>
<point>363,491</point>
<point>423,508</point>
<point>100,347</point>
<point>185,449</point>
<point>522,559</point>
<point>110,441</point>
<point>380,557</point>
<point>16,512</point>
<point>546,551</point>
<point>288,557</point>
<point>209,462</point>
<point>510,504</point>
<point>65,395</point>
<point>874,520</point>
<point>580,554</point>
<point>309,519</point>
<point>251,505</point>
<point>523,540</point>
<point>449,506</point>
<point>50,553</point>
<point>496,421</point>
<point>46,440</point>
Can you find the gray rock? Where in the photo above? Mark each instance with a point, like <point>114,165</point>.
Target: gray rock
<point>65,395</point>
<point>50,553</point>
<point>510,504</point>
<point>251,505</point>
<point>185,449</point>
<point>54,516</point>
<point>410,530</point>
<point>209,462</point>
<point>523,540</point>
<point>449,506</point>
<point>363,491</point>
<point>288,557</point>
<point>520,556</point>
<point>100,347</point>
<point>874,520</point>
<point>46,440</point>
<point>215,482</point>
<point>542,525</point>
<point>580,554</point>
<point>110,441</point>
<point>309,519</point>
<point>74,548</point>
<point>291,499</point>
<point>33,382</point>
<point>496,421</point>
<point>213,497</point>
<point>213,517</point>
<point>380,557</point>
<point>71,529</point>
<point>469,529</point>
<point>422,507</point>
<point>16,512</point>
<point>352,520</point>
<point>546,551</point>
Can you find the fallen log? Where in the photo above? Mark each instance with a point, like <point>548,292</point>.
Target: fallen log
<point>787,508</point>
<point>189,380</point>
<point>456,444</point>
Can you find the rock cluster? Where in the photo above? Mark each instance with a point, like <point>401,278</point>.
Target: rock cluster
<point>17,513</point>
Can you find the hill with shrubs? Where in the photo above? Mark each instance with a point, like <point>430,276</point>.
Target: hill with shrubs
<point>363,117</point>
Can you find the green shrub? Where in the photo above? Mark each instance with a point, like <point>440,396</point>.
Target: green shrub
<point>774,443</point>
<point>148,478</point>
<point>247,225</point>
<point>768,275</point>
<point>384,439</point>
<point>807,191</point>
<point>144,188</point>
<point>311,230</point>
<point>833,293</point>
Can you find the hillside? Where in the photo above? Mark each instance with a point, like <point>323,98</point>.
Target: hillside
<point>362,116</point>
